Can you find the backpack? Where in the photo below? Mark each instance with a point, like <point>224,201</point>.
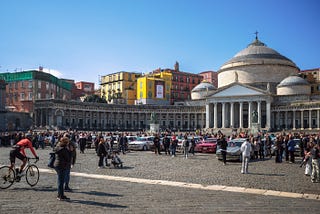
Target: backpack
<point>52,159</point>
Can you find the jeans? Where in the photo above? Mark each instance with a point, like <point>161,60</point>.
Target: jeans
<point>185,151</point>
<point>61,180</point>
<point>101,159</point>
<point>173,150</point>
<point>67,178</point>
<point>245,164</point>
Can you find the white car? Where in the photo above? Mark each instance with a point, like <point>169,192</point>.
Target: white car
<point>142,143</point>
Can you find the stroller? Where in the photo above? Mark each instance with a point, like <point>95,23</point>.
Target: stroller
<point>115,160</point>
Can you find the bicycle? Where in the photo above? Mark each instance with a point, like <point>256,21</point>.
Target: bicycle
<point>8,175</point>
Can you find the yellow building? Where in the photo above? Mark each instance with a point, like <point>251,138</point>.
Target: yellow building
<point>119,87</point>
<point>154,89</point>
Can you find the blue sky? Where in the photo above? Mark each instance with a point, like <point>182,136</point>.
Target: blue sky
<point>84,39</point>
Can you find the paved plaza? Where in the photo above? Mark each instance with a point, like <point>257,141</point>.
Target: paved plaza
<point>150,183</point>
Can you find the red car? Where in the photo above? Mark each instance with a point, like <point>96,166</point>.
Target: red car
<point>208,145</point>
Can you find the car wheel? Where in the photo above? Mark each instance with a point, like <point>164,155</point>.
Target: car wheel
<point>144,148</point>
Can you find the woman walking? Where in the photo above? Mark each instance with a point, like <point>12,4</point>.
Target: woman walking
<point>62,165</point>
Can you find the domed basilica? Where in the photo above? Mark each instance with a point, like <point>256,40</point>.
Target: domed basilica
<point>258,88</point>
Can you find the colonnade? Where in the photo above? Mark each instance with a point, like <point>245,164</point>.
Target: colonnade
<point>237,114</point>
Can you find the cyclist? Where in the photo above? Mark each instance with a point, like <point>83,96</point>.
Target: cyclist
<point>18,151</point>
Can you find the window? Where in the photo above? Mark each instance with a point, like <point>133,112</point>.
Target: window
<point>22,97</point>
<point>22,84</point>
<point>39,96</point>
<point>30,96</point>
<point>39,83</point>
<point>30,84</point>
<point>47,86</point>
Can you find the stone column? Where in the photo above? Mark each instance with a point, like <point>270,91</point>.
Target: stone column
<point>310,119</point>
<point>249,114</point>
<point>215,115</point>
<point>223,115</point>
<point>268,114</point>
<point>301,120</point>
<point>241,115</point>
<point>231,115</point>
<point>286,119</point>
<point>294,120</point>
<point>259,113</point>
<point>318,118</point>
<point>208,115</point>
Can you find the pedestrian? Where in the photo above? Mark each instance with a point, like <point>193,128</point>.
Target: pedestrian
<point>256,147</point>
<point>157,145</point>
<point>315,155</point>
<point>62,164</point>
<point>82,142</point>
<point>223,146</point>
<point>73,152</point>
<point>291,148</point>
<point>102,152</point>
<point>185,144</point>
<point>166,144</point>
<point>193,145</point>
<point>173,145</point>
<point>246,151</point>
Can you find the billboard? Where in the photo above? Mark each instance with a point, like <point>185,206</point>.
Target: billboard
<point>159,90</point>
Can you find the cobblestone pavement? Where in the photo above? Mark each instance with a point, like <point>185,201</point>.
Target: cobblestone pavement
<point>150,183</point>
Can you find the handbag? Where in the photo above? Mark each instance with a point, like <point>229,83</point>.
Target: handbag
<point>52,159</point>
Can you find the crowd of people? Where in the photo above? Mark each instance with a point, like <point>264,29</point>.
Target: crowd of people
<point>64,144</point>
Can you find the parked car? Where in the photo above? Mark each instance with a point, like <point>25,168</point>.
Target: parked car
<point>233,150</point>
<point>142,143</point>
<point>208,145</point>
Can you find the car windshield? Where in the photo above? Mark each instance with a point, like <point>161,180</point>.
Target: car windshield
<point>234,143</point>
<point>141,139</point>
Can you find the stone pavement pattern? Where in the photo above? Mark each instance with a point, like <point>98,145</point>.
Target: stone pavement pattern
<point>102,195</point>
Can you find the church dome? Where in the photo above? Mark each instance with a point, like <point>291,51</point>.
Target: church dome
<point>202,90</point>
<point>293,85</point>
<point>293,80</point>
<point>256,65</point>
<point>204,86</point>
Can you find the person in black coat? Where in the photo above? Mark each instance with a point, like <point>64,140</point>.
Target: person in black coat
<point>223,146</point>
<point>102,152</point>
<point>62,165</point>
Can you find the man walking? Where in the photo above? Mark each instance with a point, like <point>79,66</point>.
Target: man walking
<point>246,151</point>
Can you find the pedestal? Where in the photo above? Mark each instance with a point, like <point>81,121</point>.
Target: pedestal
<point>255,127</point>
<point>154,127</point>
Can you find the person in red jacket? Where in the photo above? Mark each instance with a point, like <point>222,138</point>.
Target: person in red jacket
<point>18,151</point>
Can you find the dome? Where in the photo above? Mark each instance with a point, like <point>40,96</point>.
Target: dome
<point>258,66</point>
<point>293,80</point>
<point>204,86</point>
<point>293,85</point>
<point>202,90</point>
<point>258,50</point>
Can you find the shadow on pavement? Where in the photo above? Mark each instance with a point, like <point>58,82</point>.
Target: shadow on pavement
<point>99,193</point>
<point>265,174</point>
<point>94,203</point>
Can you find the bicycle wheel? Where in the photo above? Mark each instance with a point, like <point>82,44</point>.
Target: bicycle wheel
<point>7,176</point>
<point>32,175</point>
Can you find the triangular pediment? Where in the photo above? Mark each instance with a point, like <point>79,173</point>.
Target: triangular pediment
<point>237,90</point>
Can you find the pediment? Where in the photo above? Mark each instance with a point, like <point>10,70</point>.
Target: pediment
<point>237,90</point>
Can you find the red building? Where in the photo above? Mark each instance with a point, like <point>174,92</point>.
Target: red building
<point>210,76</point>
<point>182,83</point>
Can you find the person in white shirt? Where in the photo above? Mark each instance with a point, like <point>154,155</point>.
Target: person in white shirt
<point>246,151</point>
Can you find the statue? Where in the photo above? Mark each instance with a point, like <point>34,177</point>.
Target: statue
<point>236,77</point>
<point>153,118</point>
<point>254,117</point>
<point>176,66</point>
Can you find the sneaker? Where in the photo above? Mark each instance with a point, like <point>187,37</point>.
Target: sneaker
<point>65,197</point>
<point>68,189</point>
